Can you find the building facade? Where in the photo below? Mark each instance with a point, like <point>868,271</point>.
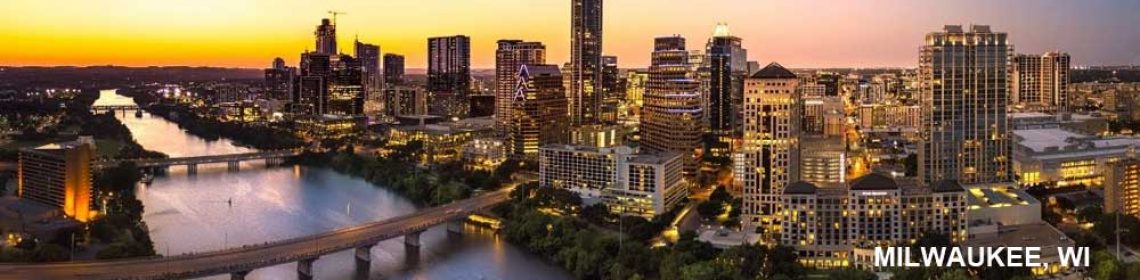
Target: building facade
<point>672,117</point>
<point>1040,82</point>
<point>641,184</point>
<point>538,110</point>
<point>965,93</point>
<point>510,55</point>
<point>1122,192</point>
<point>728,64</point>
<point>768,159</point>
<point>59,175</point>
<point>449,75</point>
<point>585,61</point>
<point>393,69</point>
<point>840,227</point>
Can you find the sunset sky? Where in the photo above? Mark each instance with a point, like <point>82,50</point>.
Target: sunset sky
<point>250,33</point>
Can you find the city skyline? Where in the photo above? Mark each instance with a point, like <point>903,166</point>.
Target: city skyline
<point>250,34</point>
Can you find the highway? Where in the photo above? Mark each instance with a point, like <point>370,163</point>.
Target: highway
<point>247,258</point>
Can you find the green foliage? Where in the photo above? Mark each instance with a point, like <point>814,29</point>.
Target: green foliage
<point>257,136</point>
<point>586,245</point>
<point>440,185</point>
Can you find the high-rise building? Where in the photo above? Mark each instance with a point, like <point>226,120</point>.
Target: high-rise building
<point>510,55</point>
<point>345,93</point>
<point>449,75</point>
<point>59,175</point>
<point>373,79</point>
<point>1040,82</point>
<point>965,93</point>
<point>539,110</point>
<point>585,61</point>
<point>728,65</point>
<point>312,83</point>
<point>326,37</point>
<point>393,69</point>
<point>1122,187</point>
<point>642,184</point>
<point>672,118</point>
<point>768,158</point>
<point>610,91</point>
<point>279,80</point>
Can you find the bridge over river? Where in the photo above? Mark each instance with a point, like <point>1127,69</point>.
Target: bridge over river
<point>238,262</point>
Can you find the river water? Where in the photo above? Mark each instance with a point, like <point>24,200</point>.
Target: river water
<point>217,209</point>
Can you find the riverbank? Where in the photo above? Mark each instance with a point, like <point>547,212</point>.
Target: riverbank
<point>433,186</point>
<point>117,233</point>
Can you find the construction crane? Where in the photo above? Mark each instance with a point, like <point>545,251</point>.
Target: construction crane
<point>334,14</point>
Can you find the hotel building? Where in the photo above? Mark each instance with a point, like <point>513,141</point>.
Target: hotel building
<point>59,175</point>
<point>839,227</point>
<point>641,184</point>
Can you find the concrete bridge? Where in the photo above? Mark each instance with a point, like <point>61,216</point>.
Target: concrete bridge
<point>192,162</point>
<point>238,262</point>
<point>120,108</point>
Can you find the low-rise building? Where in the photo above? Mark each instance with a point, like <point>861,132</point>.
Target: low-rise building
<point>629,183</point>
<point>1060,157</point>
<point>442,142</point>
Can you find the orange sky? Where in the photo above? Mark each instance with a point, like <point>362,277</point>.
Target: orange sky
<point>816,33</point>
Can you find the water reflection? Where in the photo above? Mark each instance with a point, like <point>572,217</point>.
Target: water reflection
<point>217,209</point>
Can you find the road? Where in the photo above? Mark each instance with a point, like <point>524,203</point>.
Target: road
<point>252,257</point>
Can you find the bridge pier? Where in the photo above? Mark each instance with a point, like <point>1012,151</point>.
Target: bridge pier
<point>233,165</point>
<point>456,226</point>
<point>305,269</point>
<point>413,239</point>
<point>363,260</point>
<point>192,169</point>
<point>238,275</point>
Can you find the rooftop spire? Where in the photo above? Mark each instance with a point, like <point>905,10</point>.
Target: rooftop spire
<point>721,30</point>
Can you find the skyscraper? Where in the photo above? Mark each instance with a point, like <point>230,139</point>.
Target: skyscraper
<point>393,69</point>
<point>326,37</point>
<point>1040,82</point>
<point>768,159</point>
<point>964,89</point>
<point>508,57</point>
<point>311,83</point>
<point>672,118</point>
<point>369,57</point>
<point>345,94</point>
<point>449,75</point>
<point>538,110</point>
<point>585,61</point>
<point>279,80</point>
<point>728,65</point>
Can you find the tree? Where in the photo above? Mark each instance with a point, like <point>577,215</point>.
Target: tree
<point>851,274</point>
<point>698,271</point>
<point>710,209</point>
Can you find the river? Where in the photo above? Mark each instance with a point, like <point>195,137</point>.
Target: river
<point>217,209</point>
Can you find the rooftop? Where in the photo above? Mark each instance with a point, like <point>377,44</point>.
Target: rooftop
<point>1040,139</point>
<point>774,71</point>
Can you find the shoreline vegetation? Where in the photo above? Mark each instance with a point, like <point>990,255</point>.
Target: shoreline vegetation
<point>121,232</point>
